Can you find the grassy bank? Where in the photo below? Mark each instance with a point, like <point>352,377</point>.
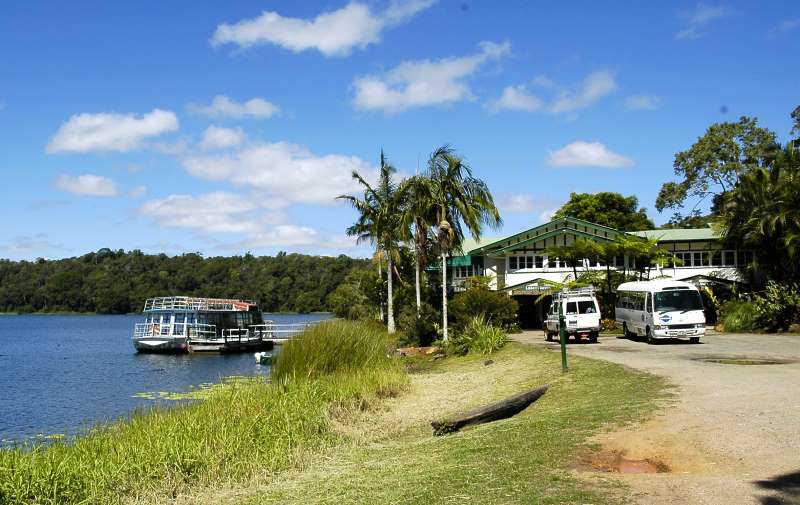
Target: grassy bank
<point>239,431</point>
<point>391,456</point>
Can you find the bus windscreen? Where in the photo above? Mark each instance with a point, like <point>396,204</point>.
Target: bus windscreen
<point>683,300</point>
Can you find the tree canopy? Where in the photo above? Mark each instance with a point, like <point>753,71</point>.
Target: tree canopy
<point>713,165</point>
<point>118,282</point>
<point>608,209</point>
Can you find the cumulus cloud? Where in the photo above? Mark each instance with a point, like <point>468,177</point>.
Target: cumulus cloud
<point>642,102</point>
<point>287,172</point>
<point>334,33</point>
<point>137,192</point>
<point>213,212</point>
<point>587,154</point>
<point>593,87</point>
<point>515,98</point>
<point>517,203</point>
<point>699,18</point>
<point>87,185</point>
<point>109,131</point>
<point>215,137</point>
<point>424,83</point>
<point>222,106</point>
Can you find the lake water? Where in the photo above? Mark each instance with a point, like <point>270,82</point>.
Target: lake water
<point>61,374</point>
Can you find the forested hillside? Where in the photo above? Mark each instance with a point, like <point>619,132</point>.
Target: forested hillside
<point>118,282</point>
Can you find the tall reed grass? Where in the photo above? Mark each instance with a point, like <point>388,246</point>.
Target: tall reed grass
<point>240,429</point>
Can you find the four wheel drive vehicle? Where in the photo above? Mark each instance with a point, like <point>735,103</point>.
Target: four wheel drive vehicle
<point>581,314</point>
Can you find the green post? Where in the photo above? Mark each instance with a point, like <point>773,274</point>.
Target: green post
<point>562,334</point>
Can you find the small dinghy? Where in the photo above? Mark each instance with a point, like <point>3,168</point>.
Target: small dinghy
<point>263,358</point>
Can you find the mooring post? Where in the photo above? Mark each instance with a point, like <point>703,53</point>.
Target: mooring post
<point>562,334</point>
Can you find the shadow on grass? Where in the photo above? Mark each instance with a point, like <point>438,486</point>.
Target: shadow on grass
<point>786,488</point>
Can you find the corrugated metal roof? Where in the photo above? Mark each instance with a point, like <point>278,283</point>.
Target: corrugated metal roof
<point>469,243</point>
<point>678,235</point>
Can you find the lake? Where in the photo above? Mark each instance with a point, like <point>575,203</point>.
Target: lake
<point>62,374</point>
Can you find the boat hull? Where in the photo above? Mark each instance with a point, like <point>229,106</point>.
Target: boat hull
<point>159,344</point>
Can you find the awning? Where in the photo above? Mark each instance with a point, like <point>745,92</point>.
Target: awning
<point>533,287</point>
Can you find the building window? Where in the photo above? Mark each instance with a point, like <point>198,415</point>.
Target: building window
<point>529,262</point>
<point>698,259</point>
<point>552,262</point>
<point>716,259</point>
<point>729,259</point>
<point>512,263</point>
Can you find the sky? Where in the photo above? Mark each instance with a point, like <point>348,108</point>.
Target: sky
<point>230,127</point>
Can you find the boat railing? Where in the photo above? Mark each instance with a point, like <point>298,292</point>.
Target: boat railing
<point>201,331</point>
<point>193,303</point>
<point>142,330</point>
<point>272,331</point>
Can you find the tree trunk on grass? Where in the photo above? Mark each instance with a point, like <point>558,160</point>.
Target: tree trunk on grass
<point>380,277</point>
<point>444,297</point>
<point>506,408</point>
<point>417,280</point>
<point>390,307</point>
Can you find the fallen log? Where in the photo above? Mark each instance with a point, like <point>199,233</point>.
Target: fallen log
<point>501,410</point>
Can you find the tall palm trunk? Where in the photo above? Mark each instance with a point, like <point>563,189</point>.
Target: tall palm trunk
<point>417,281</point>
<point>380,277</point>
<point>444,297</point>
<point>390,308</point>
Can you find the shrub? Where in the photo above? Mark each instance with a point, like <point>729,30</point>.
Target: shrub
<point>777,307</point>
<point>478,337</point>
<point>498,309</point>
<point>331,347</point>
<point>738,316</point>
<point>608,325</point>
<point>418,331</point>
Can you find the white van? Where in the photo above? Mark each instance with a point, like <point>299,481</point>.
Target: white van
<point>581,312</point>
<point>660,309</point>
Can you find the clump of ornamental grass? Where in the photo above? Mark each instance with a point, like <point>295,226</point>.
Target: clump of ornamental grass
<point>244,428</point>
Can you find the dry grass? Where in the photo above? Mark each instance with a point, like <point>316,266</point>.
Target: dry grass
<point>390,456</point>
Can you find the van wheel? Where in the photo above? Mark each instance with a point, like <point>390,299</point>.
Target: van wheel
<point>593,337</point>
<point>650,339</point>
<point>548,336</point>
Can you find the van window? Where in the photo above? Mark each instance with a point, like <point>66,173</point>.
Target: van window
<point>572,308</point>
<point>586,307</point>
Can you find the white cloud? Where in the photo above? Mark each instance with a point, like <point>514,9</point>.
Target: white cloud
<point>215,137</point>
<point>783,27</point>
<point>515,98</point>
<point>282,235</point>
<point>424,83</point>
<point>547,215</point>
<point>587,154</point>
<point>642,102</point>
<point>87,185</point>
<point>109,131</point>
<point>25,245</point>
<point>213,212</point>
<point>517,203</point>
<point>287,172</point>
<point>137,191</point>
<point>334,33</point>
<point>698,18</point>
<point>222,106</point>
<point>594,87</point>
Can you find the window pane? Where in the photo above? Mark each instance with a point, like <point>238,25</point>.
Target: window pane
<point>586,307</point>
<point>729,259</point>
<point>551,262</point>
<point>539,261</point>
<point>512,263</point>
<point>572,308</point>
<point>698,259</point>
<point>716,259</point>
<point>529,260</point>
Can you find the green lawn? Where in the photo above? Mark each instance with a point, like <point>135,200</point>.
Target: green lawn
<point>392,457</point>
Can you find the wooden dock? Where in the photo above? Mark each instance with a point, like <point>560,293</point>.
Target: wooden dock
<point>256,338</point>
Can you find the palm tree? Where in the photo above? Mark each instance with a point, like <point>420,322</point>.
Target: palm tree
<point>378,222</point>
<point>459,200</point>
<point>418,214</point>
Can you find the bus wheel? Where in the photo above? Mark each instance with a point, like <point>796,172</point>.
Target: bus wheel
<point>650,339</point>
<point>625,332</point>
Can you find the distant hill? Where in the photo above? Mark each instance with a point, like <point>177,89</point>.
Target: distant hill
<point>118,282</point>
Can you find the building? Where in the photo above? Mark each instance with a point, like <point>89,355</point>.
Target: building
<point>520,266</point>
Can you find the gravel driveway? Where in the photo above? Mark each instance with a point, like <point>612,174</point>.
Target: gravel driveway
<point>732,436</point>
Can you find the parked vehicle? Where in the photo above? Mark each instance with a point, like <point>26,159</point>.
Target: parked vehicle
<point>581,314</point>
<point>661,309</point>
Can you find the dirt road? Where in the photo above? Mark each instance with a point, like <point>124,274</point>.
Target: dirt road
<point>732,436</point>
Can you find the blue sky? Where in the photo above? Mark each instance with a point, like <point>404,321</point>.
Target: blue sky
<point>227,127</point>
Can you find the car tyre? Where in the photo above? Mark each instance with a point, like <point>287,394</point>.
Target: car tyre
<point>593,337</point>
<point>548,336</point>
<point>650,338</point>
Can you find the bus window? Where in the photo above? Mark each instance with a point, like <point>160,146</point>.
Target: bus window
<point>648,303</point>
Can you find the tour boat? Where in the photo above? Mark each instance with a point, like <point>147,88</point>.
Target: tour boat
<point>178,324</point>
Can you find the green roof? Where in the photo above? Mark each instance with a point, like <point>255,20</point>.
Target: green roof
<point>679,235</point>
<point>469,243</point>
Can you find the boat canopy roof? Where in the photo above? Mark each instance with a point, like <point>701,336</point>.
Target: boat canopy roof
<point>193,303</point>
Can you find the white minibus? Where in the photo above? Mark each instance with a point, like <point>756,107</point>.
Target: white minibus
<point>660,310</point>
